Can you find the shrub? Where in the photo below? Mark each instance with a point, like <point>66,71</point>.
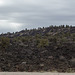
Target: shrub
<point>43,43</point>
<point>4,42</point>
<point>53,39</point>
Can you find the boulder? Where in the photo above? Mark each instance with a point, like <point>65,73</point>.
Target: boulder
<point>50,57</point>
<point>62,58</point>
<point>72,62</point>
<point>41,65</point>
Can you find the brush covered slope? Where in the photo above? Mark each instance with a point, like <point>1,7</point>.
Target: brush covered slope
<point>43,49</point>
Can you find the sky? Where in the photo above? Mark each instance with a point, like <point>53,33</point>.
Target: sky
<point>16,15</point>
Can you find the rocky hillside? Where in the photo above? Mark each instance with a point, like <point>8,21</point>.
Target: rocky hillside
<point>43,49</point>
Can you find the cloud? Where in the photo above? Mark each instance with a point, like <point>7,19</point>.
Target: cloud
<point>6,26</point>
<point>5,2</point>
<point>35,13</point>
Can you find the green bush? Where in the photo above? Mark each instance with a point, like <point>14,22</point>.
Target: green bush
<point>43,43</point>
<point>4,42</point>
<point>53,39</point>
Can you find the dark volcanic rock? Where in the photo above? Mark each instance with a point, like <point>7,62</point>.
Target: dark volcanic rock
<point>42,49</point>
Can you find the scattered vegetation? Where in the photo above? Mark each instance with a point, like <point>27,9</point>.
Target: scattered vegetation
<point>4,42</point>
<point>43,49</point>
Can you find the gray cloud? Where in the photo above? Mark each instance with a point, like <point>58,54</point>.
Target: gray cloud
<point>35,13</point>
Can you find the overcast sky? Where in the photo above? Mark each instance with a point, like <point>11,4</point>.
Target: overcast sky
<point>16,15</point>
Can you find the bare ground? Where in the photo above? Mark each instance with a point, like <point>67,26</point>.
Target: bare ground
<point>34,73</point>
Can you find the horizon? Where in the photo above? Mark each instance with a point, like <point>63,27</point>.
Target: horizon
<point>37,28</point>
<point>16,15</point>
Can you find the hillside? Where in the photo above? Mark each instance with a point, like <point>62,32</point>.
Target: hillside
<point>43,49</point>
